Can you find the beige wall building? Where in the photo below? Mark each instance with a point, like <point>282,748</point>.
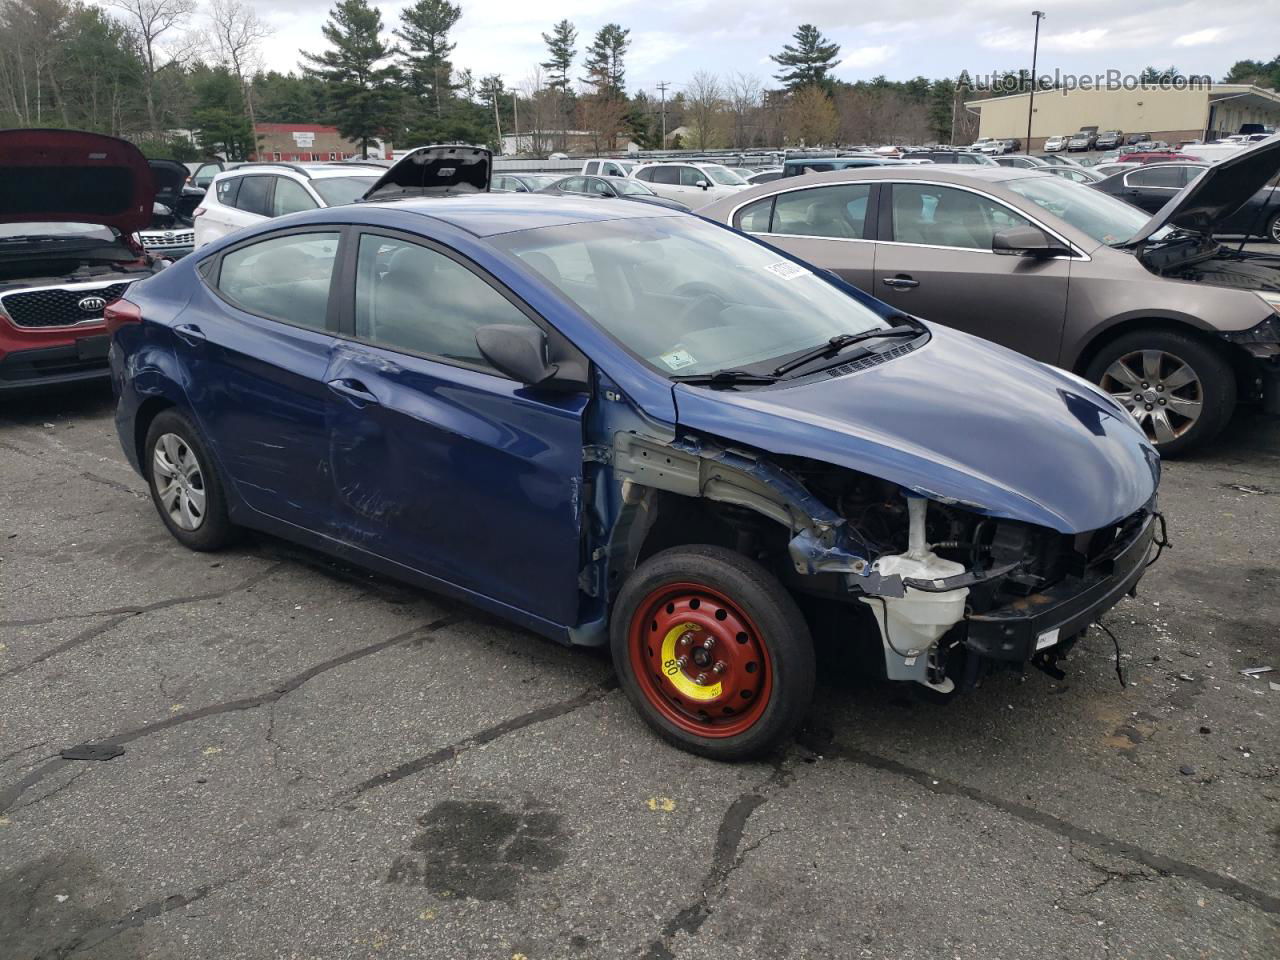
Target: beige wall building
<point>1205,112</point>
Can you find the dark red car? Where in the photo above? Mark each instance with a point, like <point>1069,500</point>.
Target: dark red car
<point>71,206</point>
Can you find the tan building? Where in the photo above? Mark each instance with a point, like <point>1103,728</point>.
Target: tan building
<point>1204,112</point>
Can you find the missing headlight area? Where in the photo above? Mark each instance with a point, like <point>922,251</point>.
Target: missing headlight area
<point>946,593</point>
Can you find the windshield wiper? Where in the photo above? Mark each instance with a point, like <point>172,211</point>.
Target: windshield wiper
<point>838,343</point>
<point>725,378</point>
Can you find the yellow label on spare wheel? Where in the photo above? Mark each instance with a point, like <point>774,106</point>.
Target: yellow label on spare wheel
<point>674,672</point>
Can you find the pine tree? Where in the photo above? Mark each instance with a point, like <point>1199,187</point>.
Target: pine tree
<point>808,62</point>
<point>606,71</point>
<point>424,27</point>
<point>362,95</point>
<point>560,53</point>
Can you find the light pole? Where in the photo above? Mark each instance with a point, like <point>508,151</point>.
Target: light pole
<point>1031,101</point>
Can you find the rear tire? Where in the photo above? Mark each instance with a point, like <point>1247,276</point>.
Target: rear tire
<point>1181,390</point>
<point>704,612</point>
<point>185,486</point>
<point>1273,229</point>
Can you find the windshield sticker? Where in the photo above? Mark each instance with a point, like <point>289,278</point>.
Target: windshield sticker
<point>787,270</point>
<point>678,358</point>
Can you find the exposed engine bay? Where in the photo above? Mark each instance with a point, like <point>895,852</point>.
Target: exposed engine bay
<point>953,593</point>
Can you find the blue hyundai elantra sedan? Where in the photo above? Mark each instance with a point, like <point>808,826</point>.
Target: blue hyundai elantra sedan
<point>612,423</point>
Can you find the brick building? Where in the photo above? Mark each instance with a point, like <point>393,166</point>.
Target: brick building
<point>308,141</point>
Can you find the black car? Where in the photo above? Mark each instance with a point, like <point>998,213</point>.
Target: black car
<point>621,188</point>
<point>1151,186</point>
<point>1136,138</point>
<point>953,156</point>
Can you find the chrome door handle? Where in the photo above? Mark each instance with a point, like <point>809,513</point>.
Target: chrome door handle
<point>900,283</point>
<point>353,390</point>
<point>190,333</point>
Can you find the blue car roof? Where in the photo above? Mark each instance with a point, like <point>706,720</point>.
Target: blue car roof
<point>489,214</point>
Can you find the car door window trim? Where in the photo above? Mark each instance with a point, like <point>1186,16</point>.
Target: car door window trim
<point>212,276</point>
<point>346,329</point>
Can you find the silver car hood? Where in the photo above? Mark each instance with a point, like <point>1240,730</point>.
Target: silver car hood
<point>1218,192</point>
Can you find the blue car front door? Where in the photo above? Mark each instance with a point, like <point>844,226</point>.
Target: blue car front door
<point>439,462</point>
<point>257,341</point>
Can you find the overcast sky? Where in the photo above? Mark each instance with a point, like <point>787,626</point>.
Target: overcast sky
<point>899,38</point>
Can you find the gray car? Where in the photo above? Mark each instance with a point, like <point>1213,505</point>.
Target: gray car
<point>1172,324</point>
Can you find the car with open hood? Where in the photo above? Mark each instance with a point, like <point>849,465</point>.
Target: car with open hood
<point>72,205</point>
<point>614,423</point>
<point>171,232</point>
<point>1176,326</point>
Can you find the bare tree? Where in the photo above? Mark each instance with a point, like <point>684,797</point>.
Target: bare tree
<point>744,98</point>
<point>811,118</point>
<point>150,20</point>
<point>238,33</point>
<point>704,101</point>
<point>541,109</point>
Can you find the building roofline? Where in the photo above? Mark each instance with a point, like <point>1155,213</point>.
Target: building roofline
<point>1237,88</point>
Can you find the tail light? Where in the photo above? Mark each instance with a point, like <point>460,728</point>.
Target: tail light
<point>198,212</point>
<point>119,312</point>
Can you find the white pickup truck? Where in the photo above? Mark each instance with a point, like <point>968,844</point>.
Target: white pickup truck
<point>608,168</point>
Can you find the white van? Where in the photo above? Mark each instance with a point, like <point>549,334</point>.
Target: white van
<point>608,168</point>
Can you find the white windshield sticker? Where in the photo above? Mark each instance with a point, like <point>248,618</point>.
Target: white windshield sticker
<point>787,270</point>
<point>678,358</point>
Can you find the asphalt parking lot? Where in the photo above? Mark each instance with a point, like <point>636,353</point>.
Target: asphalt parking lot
<point>320,763</point>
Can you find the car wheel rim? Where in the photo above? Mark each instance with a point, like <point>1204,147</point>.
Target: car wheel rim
<point>700,661</point>
<point>1162,391</point>
<point>179,482</point>
<point>1275,230</point>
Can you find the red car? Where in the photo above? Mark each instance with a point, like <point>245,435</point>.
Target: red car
<point>70,208</point>
<point>1154,156</point>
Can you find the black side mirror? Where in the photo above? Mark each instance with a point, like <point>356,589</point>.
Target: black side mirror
<point>522,353</point>
<point>1027,242</point>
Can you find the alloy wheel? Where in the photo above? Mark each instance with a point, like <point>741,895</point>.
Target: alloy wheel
<point>179,481</point>
<point>1275,229</point>
<point>700,661</point>
<point>1162,391</point>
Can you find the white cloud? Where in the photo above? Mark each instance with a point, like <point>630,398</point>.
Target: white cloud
<point>1199,38</point>
<point>864,57</point>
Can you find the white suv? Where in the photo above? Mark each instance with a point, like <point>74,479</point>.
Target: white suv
<point>255,192</point>
<point>693,184</point>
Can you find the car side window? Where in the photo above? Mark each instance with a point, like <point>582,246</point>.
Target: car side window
<point>227,189</point>
<point>645,174</point>
<point>1171,177</point>
<point>666,174</point>
<point>284,278</point>
<point>754,217</point>
<point>414,299</point>
<point>838,212</point>
<point>598,189</point>
<point>253,195</point>
<point>574,185</point>
<point>949,217</point>
<point>290,197</point>
<point>592,167</point>
<point>692,176</point>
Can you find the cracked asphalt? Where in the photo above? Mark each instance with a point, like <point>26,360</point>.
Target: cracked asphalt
<point>319,763</point>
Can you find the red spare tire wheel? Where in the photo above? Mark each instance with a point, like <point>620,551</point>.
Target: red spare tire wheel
<point>713,652</point>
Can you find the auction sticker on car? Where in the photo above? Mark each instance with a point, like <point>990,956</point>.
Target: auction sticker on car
<point>1048,638</point>
<point>678,358</point>
<point>787,270</point>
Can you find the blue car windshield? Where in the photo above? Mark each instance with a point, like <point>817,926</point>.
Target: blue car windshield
<point>688,296</point>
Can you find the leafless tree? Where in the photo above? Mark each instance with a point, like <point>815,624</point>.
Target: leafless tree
<point>151,20</point>
<point>238,33</point>
<point>541,110</point>
<point>744,99</point>
<point>704,100</point>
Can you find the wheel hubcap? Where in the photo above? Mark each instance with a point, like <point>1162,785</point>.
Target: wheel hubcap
<point>179,481</point>
<point>1161,390</point>
<point>700,661</point>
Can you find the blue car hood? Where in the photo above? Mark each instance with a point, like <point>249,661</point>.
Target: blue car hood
<point>959,419</point>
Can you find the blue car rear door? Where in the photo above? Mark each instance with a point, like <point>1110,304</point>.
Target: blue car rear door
<point>439,462</point>
<point>257,339</point>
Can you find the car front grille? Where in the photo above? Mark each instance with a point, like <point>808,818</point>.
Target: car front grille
<point>59,306</point>
<point>170,238</point>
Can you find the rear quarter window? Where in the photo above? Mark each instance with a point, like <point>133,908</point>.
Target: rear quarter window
<point>282,278</point>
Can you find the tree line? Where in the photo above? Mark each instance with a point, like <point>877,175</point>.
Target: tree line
<point>147,69</point>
